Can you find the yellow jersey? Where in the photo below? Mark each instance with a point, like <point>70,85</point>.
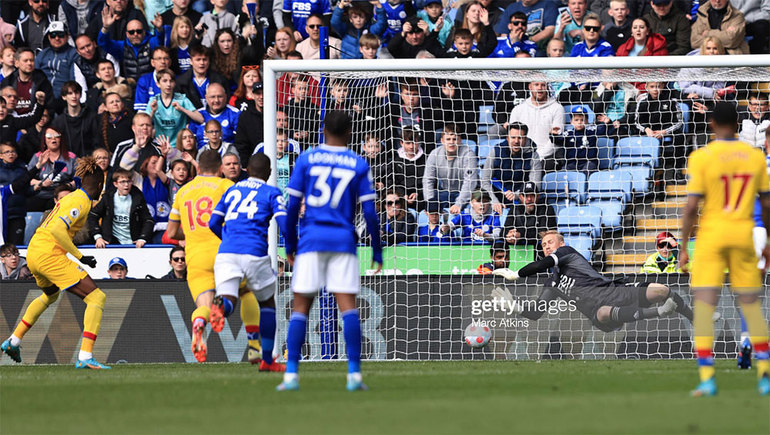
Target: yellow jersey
<point>728,174</point>
<point>69,215</point>
<point>192,206</point>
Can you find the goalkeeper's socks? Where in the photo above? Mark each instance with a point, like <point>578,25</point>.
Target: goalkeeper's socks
<point>632,314</point>
<point>351,329</point>
<point>267,326</point>
<point>295,338</point>
<point>705,364</point>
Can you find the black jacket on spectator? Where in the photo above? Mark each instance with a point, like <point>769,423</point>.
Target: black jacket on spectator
<point>8,173</point>
<point>11,125</point>
<point>303,116</point>
<point>172,276</point>
<point>617,36</point>
<point>112,133</point>
<point>39,83</point>
<point>249,133</point>
<point>530,225</point>
<point>21,38</point>
<point>80,132</point>
<point>117,31</point>
<point>29,143</point>
<point>508,171</point>
<point>185,85</point>
<point>400,49</point>
<point>662,113</point>
<point>395,231</point>
<point>168,18</point>
<point>94,10</point>
<point>140,220</point>
<point>510,95</point>
<point>407,174</point>
<point>88,67</point>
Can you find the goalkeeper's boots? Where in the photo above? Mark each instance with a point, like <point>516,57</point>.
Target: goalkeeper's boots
<point>744,355</point>
<point>12,351</point>
<point>355,383</point>
<point>217,315</point>
<point>706,388</point>
<point>91,363</point>
<point>764,385</point>
<point>199,348</point>
<point>274,367</point>
<point>290,385</point>
<point>254,355</point>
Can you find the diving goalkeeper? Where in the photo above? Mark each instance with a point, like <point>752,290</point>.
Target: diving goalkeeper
<point>607,303</point>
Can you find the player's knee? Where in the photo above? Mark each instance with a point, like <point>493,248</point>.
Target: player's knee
<point>748,298</point>
<point>96,298</point>
<point>657,292</point>
<point>604,314</point>
<point>50,298</point>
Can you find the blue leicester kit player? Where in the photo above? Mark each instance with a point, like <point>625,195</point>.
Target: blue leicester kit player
<point>331,179</point>
<point>241,219</point>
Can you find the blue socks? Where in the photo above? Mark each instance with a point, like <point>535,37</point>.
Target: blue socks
<point>351,329</point>
<point>295,337</point>
<point>267,328</point>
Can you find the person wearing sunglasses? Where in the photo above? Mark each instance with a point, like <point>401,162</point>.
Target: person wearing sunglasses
<point>570,23</point>
<point>12,265</point>
<point>666,259</point>
<point>30,30</point>
<point>592,44</point>
<point>57,60</point>
<point>517,38</point>
<point>178,263</point>
<point>135,49</point>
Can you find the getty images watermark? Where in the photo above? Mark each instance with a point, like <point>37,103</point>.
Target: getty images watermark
<point>508,306</point>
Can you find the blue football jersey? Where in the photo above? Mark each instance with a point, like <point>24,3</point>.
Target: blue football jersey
<point>301,10</point>
<point>490,224</point>
<point>247,208</point>
<point>396,16</point>
<point>332,180</point>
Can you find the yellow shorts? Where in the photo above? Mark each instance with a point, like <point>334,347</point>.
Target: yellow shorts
<point>54,269</point>
<point>200,281</point>
<point>711,260</point>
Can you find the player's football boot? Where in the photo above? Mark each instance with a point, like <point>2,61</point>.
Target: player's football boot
<point>764,385</point>
<point>274,367</point>
<point>744,355</point>
<point>292,385</point>
<point>254,355</point>
<point>706,388</point>
<point>355,383</point>
<point>199,348</point>
<point>217,315</point>
<point>91,364</point>
<point>12,351</point>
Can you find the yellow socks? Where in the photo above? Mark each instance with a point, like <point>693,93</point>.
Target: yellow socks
<point>250,317</point>
<point>35,309</point>
<point>92,322</point>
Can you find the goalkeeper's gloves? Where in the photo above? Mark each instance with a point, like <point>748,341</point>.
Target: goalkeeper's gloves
<point>88,260</point>
<point>504,294</point>
<point>510,275</point>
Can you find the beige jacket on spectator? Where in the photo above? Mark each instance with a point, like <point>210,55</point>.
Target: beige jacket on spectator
<point>732,34</point>
<point>308,52</point>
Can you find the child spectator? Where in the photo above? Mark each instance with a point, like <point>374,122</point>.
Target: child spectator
<point>12,265</point>
<point>179,175</point>
<point>479,223</point>
<point>397,13</point>
<point>114,122</point>
<point>218,18</point>
<point>7,61</point>
<point>244,95</point>
<point>286,81</point>
<point>121,218</point>
<point>214,141</point>
<point>78,122</point>
<point>284,44</point>
<point>153,183</point>
<point>181,38</point>
<point>592,44</point>
<point>464,47</point>
<point>409,166</point>
<point>382,171</point>
<point>618,30</point>
<point>302,113</point>
<point>187,149</point>
<point>171,111</point>
<point>570,23</point>
<point>433,14</point>
<point>431,233</point>
<point>368,45</point>
<point>117,269</point>
<point>516,41</point>
<point>108,83</point>
<point>284,159</point>
<point>195,82</point>
<point>576,148</point>
<point>476,20</point>
<point>359,24</point>
<point>397,223</point>
<point>147,85</point>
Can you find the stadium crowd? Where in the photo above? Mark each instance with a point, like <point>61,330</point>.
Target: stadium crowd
<point>146,85</point>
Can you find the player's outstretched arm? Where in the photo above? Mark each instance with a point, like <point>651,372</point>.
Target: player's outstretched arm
<point>532,268</point>
<point>58,230</point>
<point>373,227</point>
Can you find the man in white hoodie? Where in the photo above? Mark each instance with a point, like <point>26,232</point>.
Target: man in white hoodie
<point>543,116</point>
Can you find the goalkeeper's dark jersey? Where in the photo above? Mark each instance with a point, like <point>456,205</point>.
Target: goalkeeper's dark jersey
<point>573,275</point>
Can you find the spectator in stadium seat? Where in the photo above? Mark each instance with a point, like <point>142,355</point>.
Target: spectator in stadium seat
<point>463,45</point>
<point>214,141</point>
<point>543,116</point>
<point>108,83</point>
<point>217,109</point>
<point>667,20</point>
<point>249,132</point>
<point>147,85</point>
<point>102,157</point>
<point>409,167</point>
<point>451,172</point>
<point>398,12</point>
<point>195,82</point>
<point>665,259</point>
<point>31,30</point>
<point>542,16</point>
<point>29,143</point>
<point>57,167</point>
<point>132,153</point>
<point>479,222</point>
<point>610,101</point>
<point>7,61</point>
<point>431,232</point>
<point>12,168</point>
<point>218,18</point>
<point>78,122</point>
<point>658,115</point>
<point>302,114</point>
<point>396,223</point>
<point>181,37</point>
<point>642,41</point>
<point>12,265</point>
<point>757,15</point>
<point>284,44</point>
<point>122,11</point>
<point>373,150</point>
<point>357,23</point>
<point>230,53</point>
<point>57,60</point>
<point>180,8</point>
<point>476,20</point>
<point>509,166</point>
<point>433,14</point>
<point>286,81</point>
<point>154,184</point>
<point>576,148</point>
<point>27,80</point>
<point>134,51</point>
<point>176,259</point>
<point>187,149</point>
<point>528,219</point>
<point>231,167</point>
<point>516,40</point>
<point>170,111</point>
<point>297,13</point>
<point>499,256</point>
<point>755,120</point>
<point>117,269</point>
<point>592,44</point>
<point>114,124</point>
<point>617,29</point>
<point>87,63</point>
<point>123,217</point>
<point>311,46</point>
<point>10,124</point>
<point>179,175</point>
<point>246,93</point>
<point>720,19</point>
<point>414,38</point>
<point>569,25</point>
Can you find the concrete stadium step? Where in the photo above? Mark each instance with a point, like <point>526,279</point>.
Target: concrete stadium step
<point>669,224</point>
<point>677,201</point>
<point>676,190</point>
<point>627,260</point>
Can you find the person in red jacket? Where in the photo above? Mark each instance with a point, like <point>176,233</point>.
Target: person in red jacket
<point>642,41</point>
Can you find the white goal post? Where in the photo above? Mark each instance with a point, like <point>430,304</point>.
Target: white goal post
<point>628,220</point>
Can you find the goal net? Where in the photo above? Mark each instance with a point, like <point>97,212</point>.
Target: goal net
<point>473,159</point>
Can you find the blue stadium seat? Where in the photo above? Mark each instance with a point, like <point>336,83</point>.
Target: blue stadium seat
<point>641,179</point>
<point>581,243</point>
<point>637,150</point>
<point>606,154</point>
<point>485,147</point>
<point>568,113</point>
<point>685,116</point>
<point>33,219</point>
<point>564,188</point>
<point>610,191</point>
<point>585,219</point>
<point>471,145</point>
<point>486,118</point>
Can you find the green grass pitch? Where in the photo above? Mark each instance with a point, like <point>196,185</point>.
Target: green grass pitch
<point>405,397</point>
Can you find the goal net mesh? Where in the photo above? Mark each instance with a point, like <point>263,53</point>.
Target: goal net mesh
<point>469,165</point>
